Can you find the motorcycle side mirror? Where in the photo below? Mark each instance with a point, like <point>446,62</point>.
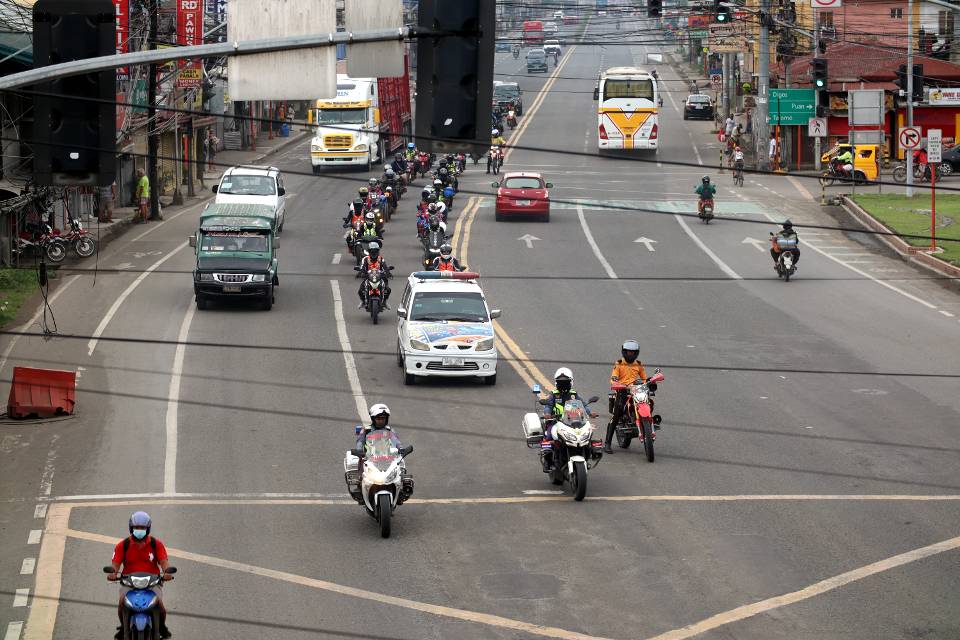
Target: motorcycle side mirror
<point>214,188</point>
<point>593,399</point>
<point>596,93</point>
<point>549,185</point>
<point>356,268</point>
<point>544,401</point>
<point>407,450</point>
<point>771,233</point>
<point>108,569</point>
<point>535,389</point>
<point>357,453</point>
<point>390,268</point>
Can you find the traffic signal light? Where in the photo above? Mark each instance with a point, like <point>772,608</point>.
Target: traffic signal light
<point>74,137</point>
<point>721,13</point>
<point>455,75</point>
<point>901,80</point>
<point>819,73</point>
<point>918,81</point>
<point>654,8</point>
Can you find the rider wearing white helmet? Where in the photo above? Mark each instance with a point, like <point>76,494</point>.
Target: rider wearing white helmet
<point>562,392</point>
<point>379,421</point>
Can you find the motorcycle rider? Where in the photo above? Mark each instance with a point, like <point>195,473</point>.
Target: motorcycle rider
<point>399,164</point>
<point>354,211</point>
<point>373,260</point>
<point>446,261</point>
<point>737,160</point>
<point>788,233</point>
<point>706,192</point>
<point>379,420</point>
<point>496,140</point>
<point>370,229</point>
<point>411,151</point>
<point>627,370</point>
<point>562,392</point>
<point>845,160</point>
<point>141,553</point>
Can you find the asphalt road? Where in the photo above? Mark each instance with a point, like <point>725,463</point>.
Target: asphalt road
<point>808,445</point>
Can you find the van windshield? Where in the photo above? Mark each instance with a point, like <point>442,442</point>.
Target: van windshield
<point>457,306</point>
<point>239,185</point>
<point>341,116</point>
<point>234,242</point>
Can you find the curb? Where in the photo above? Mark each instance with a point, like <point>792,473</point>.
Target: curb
<point>906,251</point>
<point>114,230</point>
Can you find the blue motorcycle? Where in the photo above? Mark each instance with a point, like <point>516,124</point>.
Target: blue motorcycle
<point>141,615</point>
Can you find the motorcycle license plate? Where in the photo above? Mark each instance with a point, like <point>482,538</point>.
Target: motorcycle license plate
<point>453,362</point>
<point>231,288</point>
<point>523,203</point>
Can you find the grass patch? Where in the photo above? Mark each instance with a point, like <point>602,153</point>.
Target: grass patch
<point>912,216</point>
<point>16,286</point>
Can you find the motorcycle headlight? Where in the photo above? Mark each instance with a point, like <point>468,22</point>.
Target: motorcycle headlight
<point>484,345</point>
<point>360,147</point>
<point>259,277</point>
<point>419,345</point>
<point>205,276</point>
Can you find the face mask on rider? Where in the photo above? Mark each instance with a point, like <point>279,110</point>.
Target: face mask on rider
<point>139,534</point>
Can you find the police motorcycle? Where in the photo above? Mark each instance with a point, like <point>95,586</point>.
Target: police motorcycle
<point>140,613</point>
<point>570,447</point>
<point>382,483</point>
<point>374,292</point>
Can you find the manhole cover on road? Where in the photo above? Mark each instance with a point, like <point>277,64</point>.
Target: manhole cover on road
<point>525,586</point>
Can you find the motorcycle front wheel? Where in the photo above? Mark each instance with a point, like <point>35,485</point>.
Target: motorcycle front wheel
<point>578,481</point>
<point>375,310</point>
<point>648,439</point>
<point>383,516</point>
<point>900,173</point>
<point>55,251</point>
<point>84,247</point>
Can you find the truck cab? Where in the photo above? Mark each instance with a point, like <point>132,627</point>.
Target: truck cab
<point>347,127</point>
<point>236,254</point>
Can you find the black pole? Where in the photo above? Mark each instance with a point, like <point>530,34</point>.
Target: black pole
<point>153,138</point>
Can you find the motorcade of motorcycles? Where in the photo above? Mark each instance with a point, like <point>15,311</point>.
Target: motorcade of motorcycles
<point>638,420</point>
<point>786,256</point>
<point>570,447</point>
<point>375,289</point>
<point>377,477</point>
<point>140,613</point>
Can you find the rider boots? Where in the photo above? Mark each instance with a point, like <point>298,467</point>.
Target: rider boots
<point>607,443</point>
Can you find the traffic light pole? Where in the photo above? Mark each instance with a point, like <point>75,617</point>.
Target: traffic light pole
<point>153,137</point>
<point>816,93</point>
<point>763,82</point>
<point>909,93</point>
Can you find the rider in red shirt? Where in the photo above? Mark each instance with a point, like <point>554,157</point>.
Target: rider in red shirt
<point>140,553</point>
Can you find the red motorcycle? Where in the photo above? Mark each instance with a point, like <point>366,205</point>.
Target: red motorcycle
<point>80,239</point>
<point>421,164</point>
<point>43,240</point>
<point>639,421</point>
<point>705,209</point>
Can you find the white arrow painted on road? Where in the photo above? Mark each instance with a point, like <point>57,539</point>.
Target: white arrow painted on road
<point>759,244</point>
<point>647,242</point>
<point>528,239</point>
<point>124,265</point>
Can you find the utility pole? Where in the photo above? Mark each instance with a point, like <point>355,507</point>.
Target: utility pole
<point>816,94</point>
<point>153,137</point>
<point>763,82</point>
<point>908,153</point>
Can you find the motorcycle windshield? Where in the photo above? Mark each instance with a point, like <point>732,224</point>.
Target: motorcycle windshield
<point>380,450</point>
<point>574,414</point>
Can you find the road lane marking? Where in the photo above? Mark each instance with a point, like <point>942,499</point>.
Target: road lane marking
<point>799,187</point>
<point>171,422</point>
<point>336,259</point>
<point>21,597</point>
<point>946,313</point>
<point>593,245</point>
<point>461,219</point>
<point>696,151</point>
<point>465,615</point>
<point>716,259</point>
<point>816,589</point>
<point>34,536</point>
<point>46,593</point>
<point>35,318</point>
<point>92,344</point>
<point>27,566</point>
<point>13,630</point>
<point>525,367</point>
<point>351,365</point>
<point>40,511</point>
<point>861,272</point>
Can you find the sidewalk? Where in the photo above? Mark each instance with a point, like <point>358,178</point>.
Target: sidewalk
<point>124,216</point>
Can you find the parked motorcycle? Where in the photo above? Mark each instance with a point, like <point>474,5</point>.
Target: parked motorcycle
<point>570,448</point>
<point>375,292</point>
<point>140,613</point>
<point>786,258</point>
<point>705,210</point>
<point>382,483</point>
<point>495,159</point>
<point>41,240</point>
<point>639,421</point>
<point>80,239</point>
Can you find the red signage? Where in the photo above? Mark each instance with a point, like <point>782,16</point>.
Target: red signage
<point>698,22</point>
<point>122,9</point>
<point>189,33</point>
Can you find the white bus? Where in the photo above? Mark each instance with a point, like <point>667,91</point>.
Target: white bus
<point>627,113</point>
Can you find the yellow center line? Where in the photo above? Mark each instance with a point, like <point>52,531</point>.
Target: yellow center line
<point>455,236</point>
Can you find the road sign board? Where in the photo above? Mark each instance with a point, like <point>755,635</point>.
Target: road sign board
<point>791,106</point>
<point>934,145</point>
<point>865,107</point>
<point>726,38</point>
<point>909,137</point>
<point>825,4</point>
<point>716,80</point>
<point>817,127</point>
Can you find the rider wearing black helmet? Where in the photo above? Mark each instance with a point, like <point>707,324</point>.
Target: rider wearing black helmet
<point>626,371</point>
<point>446,261</point>
<point>373,260</point>
<point>399,164</point>
<point>705,190</point>
<point>786,232</point>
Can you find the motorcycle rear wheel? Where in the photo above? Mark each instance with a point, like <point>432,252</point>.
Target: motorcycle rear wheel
<point>578,481</point>
<point>900,173</point>
<point>623,440</point>
<point>826,179</point>
<point>647,438</point>
<point>375,310</point>
<point>384,511</point>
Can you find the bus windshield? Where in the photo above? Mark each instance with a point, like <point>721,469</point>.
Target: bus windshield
<point>634,88</point>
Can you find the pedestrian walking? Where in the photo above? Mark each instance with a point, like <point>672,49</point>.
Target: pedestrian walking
<point>728,125</point>
<point>143,196</point>
<point>107,196</point>
<point>773,152</point>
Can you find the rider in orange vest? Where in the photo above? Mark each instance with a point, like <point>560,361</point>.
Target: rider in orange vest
<point>446,261</point>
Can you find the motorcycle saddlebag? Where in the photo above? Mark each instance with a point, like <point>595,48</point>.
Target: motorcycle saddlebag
<point>532,428</point>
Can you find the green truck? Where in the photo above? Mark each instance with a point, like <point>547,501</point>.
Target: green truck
<point>236,248</point>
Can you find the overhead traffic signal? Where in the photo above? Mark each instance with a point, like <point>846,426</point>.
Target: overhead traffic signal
<point>74,132</point>
<point>918,81</point>
<point>455,75</point>
<point>654,8</point>
<point>820,79</point>
<point>721,13</point>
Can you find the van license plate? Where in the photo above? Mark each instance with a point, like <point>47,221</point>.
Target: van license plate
<point>453,362</point>
<point>231,288</point>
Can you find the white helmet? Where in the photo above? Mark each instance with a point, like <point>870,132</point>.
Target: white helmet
<point>563,372</point>
<point>379,409</point>
<point>495,132</point>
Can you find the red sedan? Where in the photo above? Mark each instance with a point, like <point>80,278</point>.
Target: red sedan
<point>522,193</point>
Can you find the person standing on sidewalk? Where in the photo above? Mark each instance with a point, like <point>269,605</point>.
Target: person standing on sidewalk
<point>143,195</point>
<point>773,152</point>
<point>107,195</point>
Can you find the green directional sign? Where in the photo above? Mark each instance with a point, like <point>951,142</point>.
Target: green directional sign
<point>791,106</point>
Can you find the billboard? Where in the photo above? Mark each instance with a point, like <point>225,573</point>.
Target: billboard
<point>189,33</point>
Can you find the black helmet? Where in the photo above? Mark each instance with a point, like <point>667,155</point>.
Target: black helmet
<point>373,250</point>
<point>787,225</point>
<point>432,198</point>
<point>434,221</point>
<point>630,350</point>
<point>399,156</point>
<point>705,180</point>
<point>358,205</point>
<point>446,251</point>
